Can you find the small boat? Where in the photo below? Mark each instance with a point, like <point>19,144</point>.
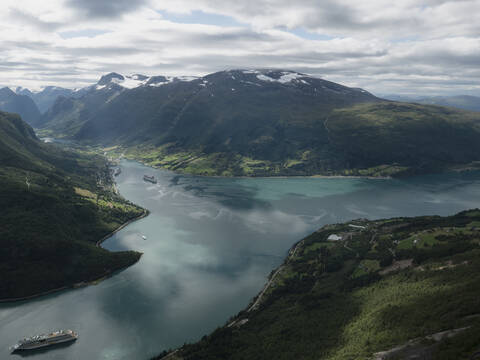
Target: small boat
<point>118,171</point>
<point>144,237</point>
<point>150,179</point>
<point>39,341</point>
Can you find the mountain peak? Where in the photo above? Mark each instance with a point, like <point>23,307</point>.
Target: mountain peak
<point>106,79</point>
<point>262,76</point>
<point>6,91</point>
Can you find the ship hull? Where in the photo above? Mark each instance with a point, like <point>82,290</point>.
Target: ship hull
<point>150,179</point>
<point>43,341</point>
<point>38,346</point>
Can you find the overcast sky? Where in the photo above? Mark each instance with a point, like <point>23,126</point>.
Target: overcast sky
<point>403,46</point>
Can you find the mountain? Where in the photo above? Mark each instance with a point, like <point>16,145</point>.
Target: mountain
<point>56,204</point>
<point>420,138</point>
<point>403,288</point>
<point>264,122</point>
<point>69,113</point>
<point>20,104</point>
<point>48,95</point>
<point>23,91</point>
<point>464,102</point>
<point>238,122</point>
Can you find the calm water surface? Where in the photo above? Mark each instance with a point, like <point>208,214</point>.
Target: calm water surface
<point>211,243</point>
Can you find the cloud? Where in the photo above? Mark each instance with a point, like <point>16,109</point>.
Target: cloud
<point>372,18</point>
<point>409,46</point>
<point>33,21</point>
<point>105,8</point>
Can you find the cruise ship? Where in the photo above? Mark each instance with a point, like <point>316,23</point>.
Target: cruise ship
<point>150,179</point>
<point>43,340</point>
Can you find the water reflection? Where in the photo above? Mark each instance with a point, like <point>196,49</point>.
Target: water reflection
<point>210,244</point>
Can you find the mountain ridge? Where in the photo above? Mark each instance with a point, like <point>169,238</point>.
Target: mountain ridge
<point>262,123</point>
<point>237,113</point>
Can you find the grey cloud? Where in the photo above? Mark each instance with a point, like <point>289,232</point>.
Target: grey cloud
<point>33,21</point>
<point>87,52</point>
<point>30,45</point>
<point>414,64</point>
<point>105,8</point>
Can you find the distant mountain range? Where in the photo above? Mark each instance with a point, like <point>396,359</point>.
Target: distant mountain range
<point>259,122</point>
<point>45,98</point>
<point>20,104</point>
<point>465,102</point>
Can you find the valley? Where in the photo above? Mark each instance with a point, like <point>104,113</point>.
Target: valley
<point>269,155</point>
<point>239,180</point>
<point>210,243</point>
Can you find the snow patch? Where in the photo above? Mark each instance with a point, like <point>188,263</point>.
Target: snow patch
<point>137,80</point>
<point>169,80</point>
<point>265,78</point>
<point>285,78</point>
<point>130,82</point>
<point>187,78</point>
<point>250,83</point>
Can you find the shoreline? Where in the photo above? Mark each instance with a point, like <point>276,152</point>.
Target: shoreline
<point>145,214</point>
<point>80,284</point>
<point>255,301</point>
<point>318,176</point>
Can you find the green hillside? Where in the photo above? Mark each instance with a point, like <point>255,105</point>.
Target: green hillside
<point>227,123</point>
<point>56,205</point>
<point>389,289</point>
<point>417,137</point>
<point>372,139</point>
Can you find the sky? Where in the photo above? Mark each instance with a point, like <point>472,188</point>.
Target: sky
<point>422,47</point>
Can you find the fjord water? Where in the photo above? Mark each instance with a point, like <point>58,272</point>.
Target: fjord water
<point>210,245</point>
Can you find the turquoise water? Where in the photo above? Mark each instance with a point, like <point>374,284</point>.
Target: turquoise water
<point>211,243</point>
